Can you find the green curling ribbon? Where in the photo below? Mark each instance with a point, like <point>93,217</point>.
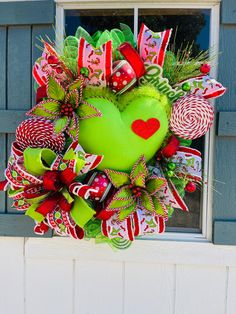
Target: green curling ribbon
<point>115,243</point>
<point>92,228</point>
<point>81,212</point>
<point>38,160</point>
<point>120,244</point>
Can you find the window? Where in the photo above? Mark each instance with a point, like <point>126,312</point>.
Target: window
<point>189,23</point>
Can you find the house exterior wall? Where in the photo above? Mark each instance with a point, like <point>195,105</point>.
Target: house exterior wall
<point>65,276</point>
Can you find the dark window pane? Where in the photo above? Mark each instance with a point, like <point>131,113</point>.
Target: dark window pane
<point>188,25</point>
<point>97,19</point>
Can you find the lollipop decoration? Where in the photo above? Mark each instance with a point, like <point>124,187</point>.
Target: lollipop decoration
<point>39,132</point>
<point>191,117</point>
<point>105,151</point>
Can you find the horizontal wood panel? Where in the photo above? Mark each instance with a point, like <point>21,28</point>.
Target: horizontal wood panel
<point>227,68</point>
<point>66,286</point>
<point>10,119</point>
<point>18,225</point>
<point>162,252</point>
<point>228,12</point>
<point>27,12</point>
<point>227,124</point>
<point>21,25</point>
<point>225,232</point>
<point>224,183</point>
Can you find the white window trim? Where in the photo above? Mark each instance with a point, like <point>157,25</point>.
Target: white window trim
<point>214,6</point>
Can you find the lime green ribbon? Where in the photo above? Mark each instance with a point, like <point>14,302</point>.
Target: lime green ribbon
<point>39,160</point>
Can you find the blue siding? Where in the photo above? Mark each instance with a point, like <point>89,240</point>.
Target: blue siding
<point>20,24</point>
<point>27,13</point>
<point>226,123</point>
<point>224,205</point>
<point>228,12</point>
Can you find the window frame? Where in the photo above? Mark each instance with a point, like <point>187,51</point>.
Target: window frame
<point>214,7</point>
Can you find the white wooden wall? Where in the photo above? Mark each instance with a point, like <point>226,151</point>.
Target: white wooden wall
<point>63,276</point>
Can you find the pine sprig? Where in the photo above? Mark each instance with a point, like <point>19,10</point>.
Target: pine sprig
<point>184,65</point>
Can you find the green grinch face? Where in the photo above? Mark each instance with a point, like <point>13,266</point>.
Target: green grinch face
<point>122,137</point>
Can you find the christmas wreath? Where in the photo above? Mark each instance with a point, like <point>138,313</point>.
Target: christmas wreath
<point>105,152</point>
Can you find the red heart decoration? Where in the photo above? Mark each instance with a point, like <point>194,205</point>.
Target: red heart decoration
<point>145,129</point>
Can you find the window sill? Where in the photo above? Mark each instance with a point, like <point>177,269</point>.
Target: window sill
<point>178,237</point>
<point>148,251</point>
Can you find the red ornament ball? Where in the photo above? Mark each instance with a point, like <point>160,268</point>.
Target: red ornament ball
<point>190,187</point>
<point>100,182</point>
<point>52,60</point>
<point>39,132</point>
<point>205,68</point>
<point>123,77</point>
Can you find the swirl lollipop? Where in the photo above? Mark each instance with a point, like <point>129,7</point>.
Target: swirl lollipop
<point>192,116</point>
<point>39,132</point>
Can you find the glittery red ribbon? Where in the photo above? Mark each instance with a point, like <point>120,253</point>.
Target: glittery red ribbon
<point>51,202</point>
<point>134,59</point>
<point>51,181</point>
<point>54,180</point>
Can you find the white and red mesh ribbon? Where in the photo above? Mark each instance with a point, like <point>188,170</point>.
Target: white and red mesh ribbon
<point>168,194</point>
<point>17,175</point>
<point>63,224</point>
<point>189,163</point>
<point>42,68</point>
<point>204,86</point>
<point>92,161</point>
<point>152,46</point>
<point>191,117</point>
<point>97,60</point>
<point>139,223</point>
